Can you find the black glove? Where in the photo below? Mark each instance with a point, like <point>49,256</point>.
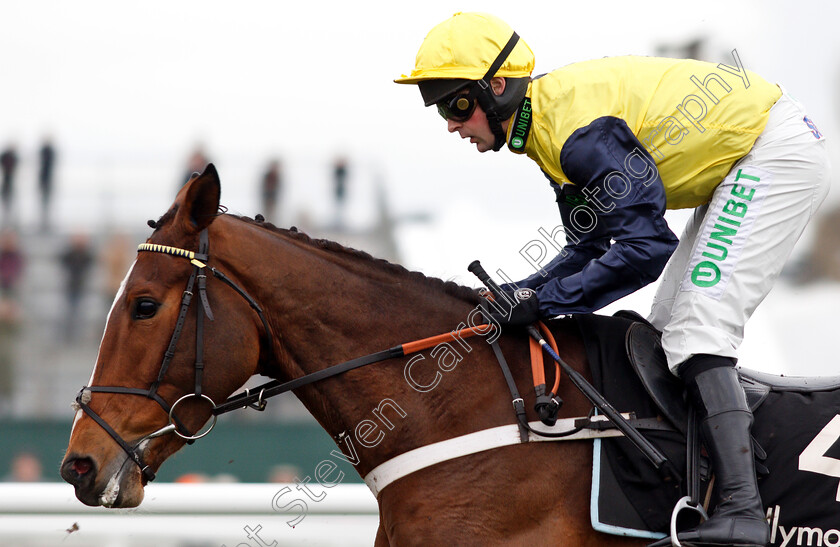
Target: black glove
<point>525,308</point>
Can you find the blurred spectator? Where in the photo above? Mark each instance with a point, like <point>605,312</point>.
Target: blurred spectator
<point>76,261</point>
<point>340,188</point>
<point>46,164</point>
<point>195,164</point>
<point>11,264</point>
<point>192,478</point>
<point>199,477</point>
<point>11,267</point>
<point>8,165</point>
<point>116,259</point>
<point>284,473</point>
<point>272,182</point>
<point>26,467</point>
<point>226,478</point>
<point>9,339</point>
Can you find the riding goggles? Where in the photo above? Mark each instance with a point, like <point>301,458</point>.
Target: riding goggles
<point>457,108</point>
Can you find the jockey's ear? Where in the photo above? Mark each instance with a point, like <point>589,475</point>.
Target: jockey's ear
<point>201,203</point>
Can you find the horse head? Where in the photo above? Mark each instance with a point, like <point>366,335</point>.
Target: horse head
<point>145,398</point>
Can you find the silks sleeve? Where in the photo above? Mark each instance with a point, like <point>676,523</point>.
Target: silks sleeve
<point>617,238</point>
<point>579,250</point>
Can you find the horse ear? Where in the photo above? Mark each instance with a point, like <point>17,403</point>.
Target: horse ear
<point>201,203</point>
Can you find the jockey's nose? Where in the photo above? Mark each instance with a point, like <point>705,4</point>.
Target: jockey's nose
<point>78,470</point>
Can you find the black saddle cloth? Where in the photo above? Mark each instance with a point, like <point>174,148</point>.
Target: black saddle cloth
<point>797,425</point>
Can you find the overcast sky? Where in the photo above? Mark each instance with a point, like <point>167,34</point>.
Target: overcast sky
<point>128,89</point>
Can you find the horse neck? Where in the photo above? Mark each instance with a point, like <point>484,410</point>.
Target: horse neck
<point>331,306</point>
<point>336,304</point>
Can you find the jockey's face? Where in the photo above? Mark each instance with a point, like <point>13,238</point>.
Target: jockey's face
<point>476,127</point>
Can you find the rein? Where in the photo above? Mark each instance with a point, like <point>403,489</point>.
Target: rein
<point>275,387</point>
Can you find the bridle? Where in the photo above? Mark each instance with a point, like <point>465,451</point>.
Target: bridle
<point>199,261</point>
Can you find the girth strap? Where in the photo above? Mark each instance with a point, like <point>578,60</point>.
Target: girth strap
<point>518,402</point>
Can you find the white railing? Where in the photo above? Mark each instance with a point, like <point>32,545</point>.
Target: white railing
<point>191,515</point>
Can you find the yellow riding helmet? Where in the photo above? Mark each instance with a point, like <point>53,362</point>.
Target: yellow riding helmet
<point>465,46</point>
<point>465,52</point>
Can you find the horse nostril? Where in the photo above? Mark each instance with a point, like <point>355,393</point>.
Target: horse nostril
<point>77,470</point>
<point>82,465</point>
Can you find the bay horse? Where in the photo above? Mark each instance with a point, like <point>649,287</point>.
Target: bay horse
<point>308,304</point>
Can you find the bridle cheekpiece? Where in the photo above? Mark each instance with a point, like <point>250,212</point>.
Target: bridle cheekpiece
<point>199,261</point>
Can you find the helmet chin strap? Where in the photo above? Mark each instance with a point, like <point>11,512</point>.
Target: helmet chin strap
<point>498,132</point>
<point>495,123</point>
<point>486,97</point>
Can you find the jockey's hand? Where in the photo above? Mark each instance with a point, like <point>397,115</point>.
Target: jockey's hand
<point>525,308</point>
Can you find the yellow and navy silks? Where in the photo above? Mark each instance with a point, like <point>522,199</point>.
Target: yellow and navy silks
<point>633,135</point>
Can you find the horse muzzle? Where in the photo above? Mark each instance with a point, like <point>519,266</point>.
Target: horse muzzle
<point>118,483</point>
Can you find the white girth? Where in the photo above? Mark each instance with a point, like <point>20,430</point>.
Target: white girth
<point>487,439</point>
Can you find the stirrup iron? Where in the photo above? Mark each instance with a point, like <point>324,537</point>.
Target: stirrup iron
<point>684,503</point>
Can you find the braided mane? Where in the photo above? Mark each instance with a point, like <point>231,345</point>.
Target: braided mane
<point>453,289</point>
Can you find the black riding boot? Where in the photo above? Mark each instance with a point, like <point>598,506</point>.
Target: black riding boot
<point>720,403</point>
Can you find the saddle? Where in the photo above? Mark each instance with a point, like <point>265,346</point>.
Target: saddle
<point>797,426</point>
<point>644,350</point>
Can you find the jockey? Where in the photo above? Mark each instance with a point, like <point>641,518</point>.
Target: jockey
<point>621,140</point>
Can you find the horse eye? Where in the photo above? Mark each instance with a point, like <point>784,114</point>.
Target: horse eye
<point>145,309</point>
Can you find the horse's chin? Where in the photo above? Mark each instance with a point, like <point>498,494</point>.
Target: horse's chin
<point>123,491</point>
<point>123,488</point>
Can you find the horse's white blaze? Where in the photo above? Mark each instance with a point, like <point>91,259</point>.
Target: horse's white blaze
<point>114,303</point>
<point>76,418</point>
